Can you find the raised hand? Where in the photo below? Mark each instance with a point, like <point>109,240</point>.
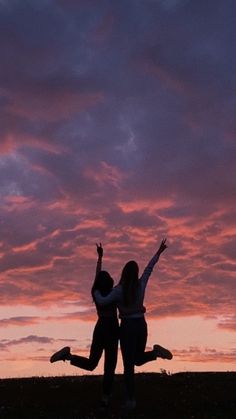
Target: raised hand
<point>162,247</point>
<point>99,250</point>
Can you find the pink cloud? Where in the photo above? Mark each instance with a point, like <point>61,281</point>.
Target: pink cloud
<point>52,107</point>
<point>104,173</point>
<point>228,323</point>
<point>117,129</point>
<point>88,314</point>
<point>6,344</point>
<point>184,283</point>
<point>196,354</point>
<point>19,321</point>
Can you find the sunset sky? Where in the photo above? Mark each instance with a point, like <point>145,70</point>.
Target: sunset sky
<point>117,125</point>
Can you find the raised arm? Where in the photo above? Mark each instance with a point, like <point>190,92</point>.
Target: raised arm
<point>148,270</point>
<point>98,266</point>
<point>99,261</point>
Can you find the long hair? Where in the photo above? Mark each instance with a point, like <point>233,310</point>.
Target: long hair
<point>103,283</point>
<point>130,282</point>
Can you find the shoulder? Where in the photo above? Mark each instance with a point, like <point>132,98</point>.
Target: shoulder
<point>117,289</point>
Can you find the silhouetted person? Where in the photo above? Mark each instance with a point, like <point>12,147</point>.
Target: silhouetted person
<point>105,334</point>
<point>129,295</point>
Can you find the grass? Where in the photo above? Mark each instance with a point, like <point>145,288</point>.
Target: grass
<point>161,396</point>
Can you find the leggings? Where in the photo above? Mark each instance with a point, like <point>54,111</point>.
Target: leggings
<point>105,338</point>
<point>133,338</point>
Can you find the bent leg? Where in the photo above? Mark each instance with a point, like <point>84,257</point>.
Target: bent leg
<point>142,357</point>
<point>146,357</point>
<point>97,347</point>
<point>110,358</point>
<point>128,342</point>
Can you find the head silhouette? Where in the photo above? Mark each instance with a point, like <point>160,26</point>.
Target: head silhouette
<point>130,282</point>
<point>103,283</point>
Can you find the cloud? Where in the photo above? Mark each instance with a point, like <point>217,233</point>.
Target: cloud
<point>206,355</point>
<point>228,323</point>
<point>87,314</point>
<point>6,344</point>
<point>19,321</point>
<point>117,125</point>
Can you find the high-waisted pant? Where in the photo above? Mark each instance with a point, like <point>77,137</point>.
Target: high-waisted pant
<point>133,339</point>
<point>105,338</point>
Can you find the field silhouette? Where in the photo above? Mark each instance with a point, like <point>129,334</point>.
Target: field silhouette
<point>206,395</point>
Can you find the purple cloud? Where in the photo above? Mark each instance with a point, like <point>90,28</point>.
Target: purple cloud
<point>117,125</point>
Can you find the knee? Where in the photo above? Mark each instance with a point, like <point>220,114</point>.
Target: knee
<point>92,365</point>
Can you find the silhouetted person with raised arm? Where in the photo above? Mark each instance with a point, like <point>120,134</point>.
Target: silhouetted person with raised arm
<point>129,296</point>
<point>105,334</point>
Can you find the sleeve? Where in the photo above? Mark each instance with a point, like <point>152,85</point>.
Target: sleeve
<point>148,270</point>
<point>112,297</point>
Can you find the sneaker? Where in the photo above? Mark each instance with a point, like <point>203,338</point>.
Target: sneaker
<point>162,352</point>
<point>61,355</point>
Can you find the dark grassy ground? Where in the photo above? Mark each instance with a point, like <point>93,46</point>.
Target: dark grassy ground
<point>159,396</point>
